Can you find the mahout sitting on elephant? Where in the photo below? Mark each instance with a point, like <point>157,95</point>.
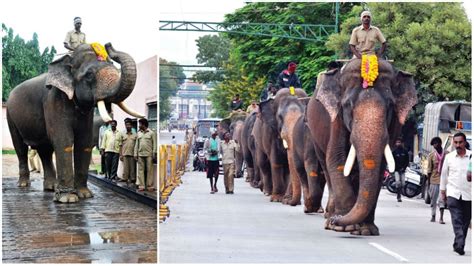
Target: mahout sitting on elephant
<point>54,112</point>
<point>351,124</point>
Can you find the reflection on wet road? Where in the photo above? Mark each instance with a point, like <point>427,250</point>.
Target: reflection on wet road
<point>108,228</point>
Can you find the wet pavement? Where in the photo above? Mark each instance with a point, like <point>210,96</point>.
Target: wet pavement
<point>108,228</point>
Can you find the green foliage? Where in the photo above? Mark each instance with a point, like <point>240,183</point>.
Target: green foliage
<point>430,40</point>
<point>213,52</point>
<point>21,60</point>
<point>171,76</point>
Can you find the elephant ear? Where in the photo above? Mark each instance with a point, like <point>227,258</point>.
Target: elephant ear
<point>59,76</point>
<point>225,123</point>
<point>329,94</point>
<point>405,95</point>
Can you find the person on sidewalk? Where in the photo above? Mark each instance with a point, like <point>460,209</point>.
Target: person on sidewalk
<point>228,148</point>
<point>145,153</point>
<point>400,155</point>
<point>111,145</point>
<point>456,190</point>
<point>435,162</point>
<point>211,148</point>
<point>126,153</point>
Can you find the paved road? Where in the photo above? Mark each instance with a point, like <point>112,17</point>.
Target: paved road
<point>165,136</point>
<point>246,228</point>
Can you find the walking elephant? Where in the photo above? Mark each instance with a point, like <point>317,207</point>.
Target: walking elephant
<point>248,149</point>
<point>234,124</point>
<point>351,124</point>
<point>54,112</point>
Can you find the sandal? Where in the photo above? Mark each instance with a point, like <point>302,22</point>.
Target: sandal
<point>442,222</point>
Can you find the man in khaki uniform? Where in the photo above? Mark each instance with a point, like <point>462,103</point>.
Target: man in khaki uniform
<point>228,148</point>
<point>145,152</point>
<point>111,145</point>
<point>126,153</point>
<point>365,36</point>
<point>75,37</point>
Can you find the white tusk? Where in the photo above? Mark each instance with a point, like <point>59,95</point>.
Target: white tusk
<point>103,111</point>
<point>129,111</point>
<point>350,161</point>
<point>389,158</point>
<point>285,144</point>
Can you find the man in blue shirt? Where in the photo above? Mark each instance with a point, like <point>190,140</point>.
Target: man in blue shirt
<point>212,147</point>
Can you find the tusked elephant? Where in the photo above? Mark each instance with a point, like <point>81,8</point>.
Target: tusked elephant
<point>351,124</point>
<point>54,112</point>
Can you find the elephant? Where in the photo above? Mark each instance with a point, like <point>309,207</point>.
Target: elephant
<point>248,149</point>
<point>349,123</point>
<point>54,112</point>
<point>263,148</point>
<point>234,124</point>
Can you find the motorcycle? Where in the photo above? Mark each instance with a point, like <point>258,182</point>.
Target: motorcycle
<point>199,161</point>
<point>412,185</point>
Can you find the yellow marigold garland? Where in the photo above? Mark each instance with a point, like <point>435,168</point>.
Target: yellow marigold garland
<point>369,70</point>
<point>100,51</point>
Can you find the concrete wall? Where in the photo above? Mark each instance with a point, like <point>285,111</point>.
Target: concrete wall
<point>7,143</point>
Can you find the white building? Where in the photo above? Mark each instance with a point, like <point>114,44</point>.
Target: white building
<point>191,102</point>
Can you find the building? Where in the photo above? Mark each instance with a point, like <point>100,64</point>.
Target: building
<point>190,102</point>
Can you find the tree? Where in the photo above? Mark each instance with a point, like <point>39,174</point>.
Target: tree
<point>213,52</point>
<point>430,40</point>
<point>21,60</point>
<point>171,76</point>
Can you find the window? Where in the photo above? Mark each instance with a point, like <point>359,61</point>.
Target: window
<point>152,116</point>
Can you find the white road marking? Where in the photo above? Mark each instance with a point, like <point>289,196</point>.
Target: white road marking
<point>389,252</point>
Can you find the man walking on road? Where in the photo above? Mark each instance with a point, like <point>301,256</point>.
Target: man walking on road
<point>126,153</point>
<point>228,148</point>
<point>145,153</point>
<point>456,190</point>
<point>401,163</point>
<point>211,147</point>
<point>111,145</point>
<point>435,162</point>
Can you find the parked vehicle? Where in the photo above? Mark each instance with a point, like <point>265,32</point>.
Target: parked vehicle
<point>412,186</point>
<point>202,131</point>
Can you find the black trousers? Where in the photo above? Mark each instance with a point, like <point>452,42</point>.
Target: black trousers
<point>102,164</point>
<point>111,164</point>
<point>460,217</point>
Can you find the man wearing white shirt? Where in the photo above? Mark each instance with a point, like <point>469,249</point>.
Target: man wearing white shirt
<point>456,190</point>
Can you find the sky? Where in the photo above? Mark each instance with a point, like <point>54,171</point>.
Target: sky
<point>131,26</point>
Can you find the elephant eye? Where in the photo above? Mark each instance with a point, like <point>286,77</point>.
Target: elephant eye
<point>90,76</point>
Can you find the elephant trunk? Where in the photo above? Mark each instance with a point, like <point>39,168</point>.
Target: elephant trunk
<point>369,138</point>
<point>127,78</point>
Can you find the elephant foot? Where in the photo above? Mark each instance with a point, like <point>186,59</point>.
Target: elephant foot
<point>313,209</point>
<point>254,184</point>
<point>286,199</point>
<point>66,197</point>
<point>24,182</point>
<point>333,225</point>
<point>276,198</point>
<point>367,229</point>
<point>84,193</point>
<point>293,202</point>
<point>48,185</point>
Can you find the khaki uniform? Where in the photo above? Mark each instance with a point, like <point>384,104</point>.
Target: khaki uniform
<point>228,151</point>
<point>74,39</point>
<point>365,40</point>
<point>145,147</point>
<point>111,144</point>
<point>129,163</point>
<point>34,159</point>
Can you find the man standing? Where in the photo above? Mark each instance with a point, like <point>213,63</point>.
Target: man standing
<point>365,36</point>
<point>126,153</point>
<point>228,148</point>
<point>401,163</point>
<point>145,153</point>
<point>111,145</point>
<point>435,162</point>
<point>456,190</point>
<point>102,130</point>
<point>75,37</point>
<point>288,77</point>
<point>211,147</point>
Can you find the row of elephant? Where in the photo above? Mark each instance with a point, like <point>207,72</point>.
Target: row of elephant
<point>341,136</point>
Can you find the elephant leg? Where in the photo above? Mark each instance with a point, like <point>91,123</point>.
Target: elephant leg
<point>22,153</point>
<point>278,182</point>
<point>265,171</point>
<point>288,194</point>
<point>65,191</point>
<point>82,156</point>
<point>368,226</point>
<point>249,176</point>
<point>46,155</point>
<point>295,184</point>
